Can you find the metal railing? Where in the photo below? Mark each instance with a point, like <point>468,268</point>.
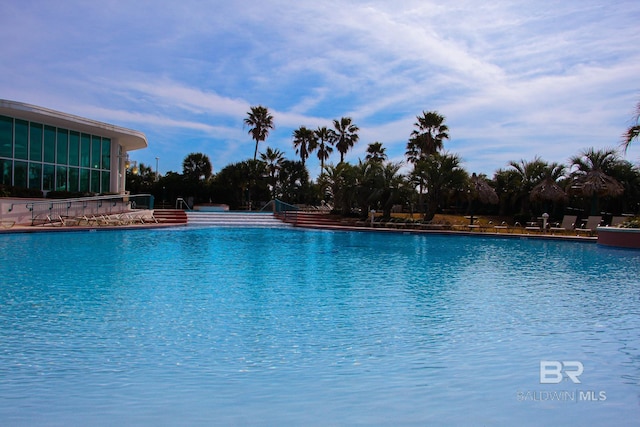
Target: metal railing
<point>278,206</point>
<point>86,205</point>
<point>182,203</point>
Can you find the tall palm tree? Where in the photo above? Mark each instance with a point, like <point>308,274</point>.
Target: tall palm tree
<point>260,121</point>
<point>376,153</point>
<point>347,135</point>
<point>633,132</point>
<point>326,138</point>
<point>305,142</point>
<point>428,136</point>
<point>591,175</point>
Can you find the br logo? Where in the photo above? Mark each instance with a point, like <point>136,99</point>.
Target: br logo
<point>554,371</point>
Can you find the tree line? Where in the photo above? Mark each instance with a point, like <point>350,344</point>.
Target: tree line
<point>593,181</point>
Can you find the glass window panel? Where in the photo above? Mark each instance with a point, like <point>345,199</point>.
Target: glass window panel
<point>35,175</point>
<point>74,178</point>
<point>49,144</point>
<point>5,171</point>
<point>61,178</point>
<point>48,177</point>
<point>106,153</point>
<point>95,181</point>
<point>85,152</point>
<point>74,148</point>
<point>84,180</point>
<point>6,136</point>
<point>106,176</point>
<point>20,174</point>
<point>35,142</point>
<point>21,141</point>
<point>95,153</point>
<point>62,147</point>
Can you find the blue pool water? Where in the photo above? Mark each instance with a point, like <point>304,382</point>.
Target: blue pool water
<point>220,326</point>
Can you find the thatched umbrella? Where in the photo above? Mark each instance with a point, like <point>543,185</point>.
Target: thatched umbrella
<point>597,183</point>
<point>548,190</point>
<point>482,191</point>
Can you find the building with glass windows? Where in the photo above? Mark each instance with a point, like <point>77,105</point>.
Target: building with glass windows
<point>54,151</point>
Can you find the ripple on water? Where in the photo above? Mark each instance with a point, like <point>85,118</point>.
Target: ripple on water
<point>272,326</point>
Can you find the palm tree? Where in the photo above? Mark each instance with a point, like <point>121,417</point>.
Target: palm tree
<point>273,160</point>
<point>346,137</point>
<point>442,174</point>
<point>326,138</point>
<point>507,183</point>
<point>341,182</point>
<point>197,167</point>
<point>393,186</point>
<point>428,136</point>
<point>305,142</point>
<point>629,176</point>
<point>633,132</point>
<point>260,121</point>
<point>293,182</point>
<point>591,175</point>
<point>529,174</point>
<point>376,153</point>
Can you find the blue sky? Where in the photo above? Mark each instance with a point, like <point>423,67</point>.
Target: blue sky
<point>514,79</point>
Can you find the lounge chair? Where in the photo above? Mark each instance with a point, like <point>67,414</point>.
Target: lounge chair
<point>150,218</point>
<point>568,223</point>
<point>503,226</point>
<point>68,221</point>
<point>590,225</point>
<point>109,220</point>
<point>48,219</point>
<point>432,225</point>
<point>617,220</point>
<point>7,224</point>
<point>533,226</point>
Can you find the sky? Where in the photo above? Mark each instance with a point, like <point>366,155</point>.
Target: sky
<point>514,79</point>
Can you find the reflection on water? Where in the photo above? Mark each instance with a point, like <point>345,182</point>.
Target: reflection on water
<point>272,327</point>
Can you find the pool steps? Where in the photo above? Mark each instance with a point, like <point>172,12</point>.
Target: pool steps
<point>233,219</point>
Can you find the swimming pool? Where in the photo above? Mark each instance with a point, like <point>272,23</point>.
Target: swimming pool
<point>202,326</point>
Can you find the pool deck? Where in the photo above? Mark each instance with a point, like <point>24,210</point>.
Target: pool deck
<point>18,228</point>
<point>510,233</point>
<point>478,232</point>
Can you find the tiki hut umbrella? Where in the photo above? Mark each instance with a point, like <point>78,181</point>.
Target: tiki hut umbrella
<point>597,183</point>
<point>548,190</point>
<point>481,191</point>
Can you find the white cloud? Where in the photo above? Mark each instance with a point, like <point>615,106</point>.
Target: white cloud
<point>514,79</point>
